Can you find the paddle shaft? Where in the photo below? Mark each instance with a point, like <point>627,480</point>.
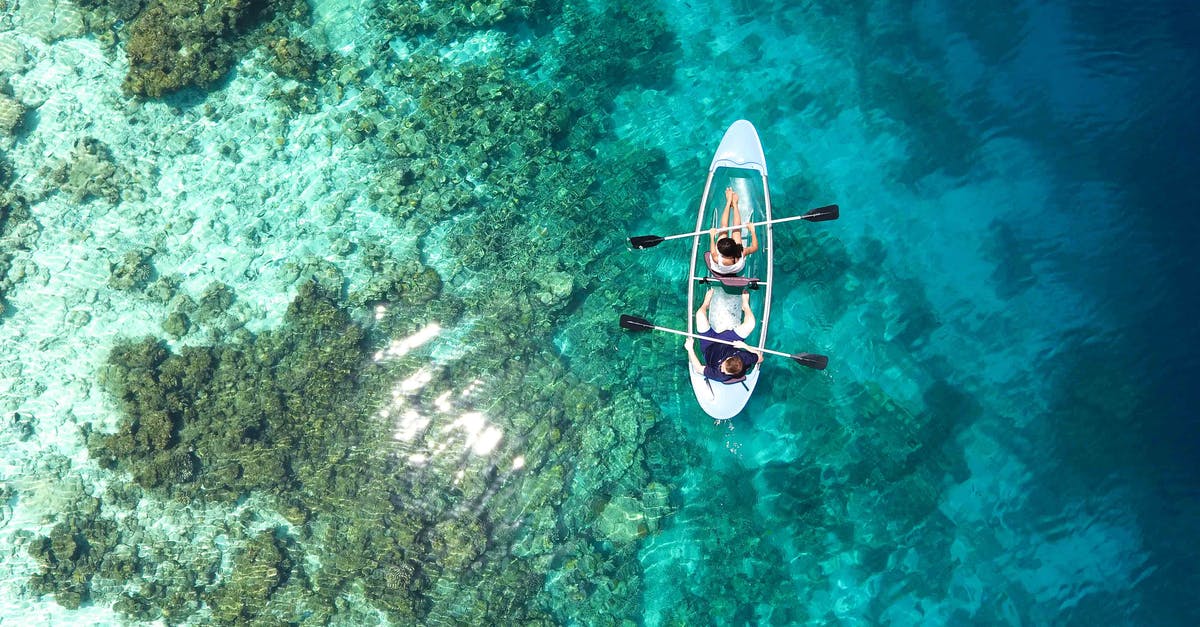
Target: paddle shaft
<point>735,226</point>
<point>718,341</point>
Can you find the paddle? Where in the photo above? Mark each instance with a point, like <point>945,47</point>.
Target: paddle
<point>811,360</point>
<point>820,214</point>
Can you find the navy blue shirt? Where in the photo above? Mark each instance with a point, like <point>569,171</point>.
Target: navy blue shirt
<point>715,353</point>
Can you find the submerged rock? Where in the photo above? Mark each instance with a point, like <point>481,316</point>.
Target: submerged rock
<point>90,171</point>
<point>176,325</point>
<point>14,57</point>
<point>622,520</point>
<point>12,112</point>
<point>50,20</point>
<point>556,287</point>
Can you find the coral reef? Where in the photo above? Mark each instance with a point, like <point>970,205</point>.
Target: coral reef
<point>622,520</point>
<point>280,414</point>
<point>216,299</point>
<point>173,44</point>
<point>163,289</point>
<point>23,425</point>
<point>75,550</point>
<point>259,569</point>
<point>284,413</point>
<point>177,324</point>
<point>133,272</point>
<point>408,283</point>
<point>292,57</point>
<point>216,423</point>
<point>89,172</point>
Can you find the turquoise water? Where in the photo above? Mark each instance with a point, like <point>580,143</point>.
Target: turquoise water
<point>378,251</point>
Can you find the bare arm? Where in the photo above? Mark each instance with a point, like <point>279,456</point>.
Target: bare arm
<point>753,242</point>
<point>746,347</point>
<point>693,361</point>
<point>730,202</point>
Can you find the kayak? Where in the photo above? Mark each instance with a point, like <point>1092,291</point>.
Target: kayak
<point>739,163</point>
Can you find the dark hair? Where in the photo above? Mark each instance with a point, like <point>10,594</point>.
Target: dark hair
<point>729,248</point>
<point>736,365</point>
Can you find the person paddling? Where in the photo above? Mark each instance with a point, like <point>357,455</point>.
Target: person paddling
<point>727,255</point>
<point>722,362</point>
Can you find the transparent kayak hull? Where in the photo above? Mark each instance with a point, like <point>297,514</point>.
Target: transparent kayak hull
<point>738,163</point>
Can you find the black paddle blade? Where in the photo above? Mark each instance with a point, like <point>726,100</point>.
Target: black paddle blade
<point>822,214</point>
<point>640,242</point>
<point>634,323</point>
<point>812,360</point>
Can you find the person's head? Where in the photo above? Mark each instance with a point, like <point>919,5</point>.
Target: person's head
<point>729,249</point>
<point>733,366</point>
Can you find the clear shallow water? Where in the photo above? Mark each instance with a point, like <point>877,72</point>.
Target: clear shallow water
<point>1005,434</point>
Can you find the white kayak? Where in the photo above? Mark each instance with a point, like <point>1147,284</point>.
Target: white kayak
<point>738,163</point>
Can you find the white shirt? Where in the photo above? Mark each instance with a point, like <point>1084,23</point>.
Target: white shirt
<point>720,268</point>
